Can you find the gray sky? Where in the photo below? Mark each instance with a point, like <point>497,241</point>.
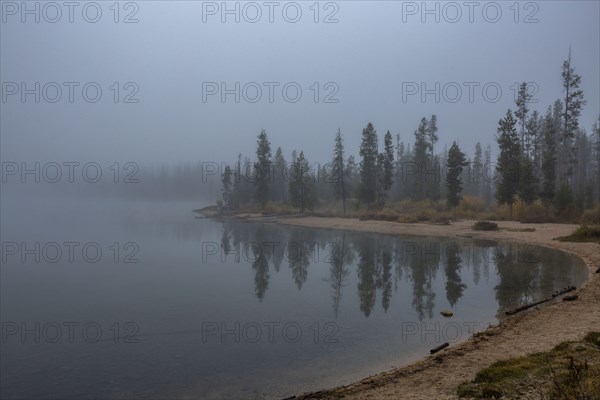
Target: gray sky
<point>374,49</point>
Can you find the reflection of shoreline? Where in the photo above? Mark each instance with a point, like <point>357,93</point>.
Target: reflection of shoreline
<point>535,331</point>
<point>523,273</point>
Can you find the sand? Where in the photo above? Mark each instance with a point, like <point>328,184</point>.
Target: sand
<point>438,376</point>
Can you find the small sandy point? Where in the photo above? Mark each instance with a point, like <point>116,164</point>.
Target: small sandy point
<point>438,376</point>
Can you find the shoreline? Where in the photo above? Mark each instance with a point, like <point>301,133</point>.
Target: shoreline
<point>437,376</point>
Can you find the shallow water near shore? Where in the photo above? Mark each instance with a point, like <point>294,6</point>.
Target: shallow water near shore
<point>180,307</point>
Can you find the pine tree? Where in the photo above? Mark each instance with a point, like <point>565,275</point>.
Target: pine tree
<point>528,184</point>
<point>301,184</point>
<point>573,104</point>
<point>338,172</point>
<point>386,169</point>
<point>477,173</point>
<point>420,159</point>
<point>368,166</point>
<point>279,176</point>
<point>488,176</point>
<point>508,161</point>
<point>456,162</point>
<point>527,180</point>
<point>521,101</point>
<point>432,129</point>
<point>352,175</point>
<point>227,186</point>
<point>533,139</point>
<point>262,168</point>
<point>548,191</point>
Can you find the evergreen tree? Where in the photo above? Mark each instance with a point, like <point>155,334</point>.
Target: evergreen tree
<point>227,186</point>
<point>456,162</point>
<point>368,166</point>
<point>548,161</point>
<point>533,137</point>
<point>353,177</point>
<point>432,129</point>
<point>301,184</point>
<point>386,169</point>
<point>521,101</point>
<point>508,161</point>
<point>338,173</point>
<point>528,184</point>
<point>420,160</point>
<point>262,168</point>
<point>564,199</point>
<point>401,159</point>
<point>477,166</point>
<point>572,110</point>
<point>527,180</point>
<point>488,176</point>
<point>279,176</point>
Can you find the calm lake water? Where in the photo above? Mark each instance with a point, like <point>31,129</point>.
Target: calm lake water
<point>143,300</point>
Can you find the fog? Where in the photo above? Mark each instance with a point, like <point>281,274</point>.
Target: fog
<point>367,58</point>
<point>118,119</point>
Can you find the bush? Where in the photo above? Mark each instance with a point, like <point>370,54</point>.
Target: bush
<point>585,233</point>
<point>443,219</point>
<point>591,216</point>
<point>535,213</point>
<point>408,219</point>
<point>570,371</point>
<point>485,226</point>
<point>471,203</point>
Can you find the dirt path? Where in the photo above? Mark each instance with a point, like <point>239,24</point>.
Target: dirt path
<point>438,376</point>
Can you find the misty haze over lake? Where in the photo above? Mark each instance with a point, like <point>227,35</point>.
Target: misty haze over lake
<point>149,148</point>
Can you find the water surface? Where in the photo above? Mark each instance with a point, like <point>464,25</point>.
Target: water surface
<point>209,309</point>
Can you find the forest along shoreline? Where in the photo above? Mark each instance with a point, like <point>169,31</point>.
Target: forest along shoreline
<point>438,376</point>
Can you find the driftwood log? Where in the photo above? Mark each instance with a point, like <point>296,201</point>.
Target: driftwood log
<point>526,306</point>
<point>564,290</point>
<point>440,347</point>
<point>555,294</point>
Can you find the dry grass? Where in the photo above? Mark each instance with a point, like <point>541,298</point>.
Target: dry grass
<point>570,371</point>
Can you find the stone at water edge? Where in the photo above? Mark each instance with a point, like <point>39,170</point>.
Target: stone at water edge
<point>447,313</point>
<point>570,298</point>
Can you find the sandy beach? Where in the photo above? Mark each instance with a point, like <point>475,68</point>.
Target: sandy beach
<point>438,376</point>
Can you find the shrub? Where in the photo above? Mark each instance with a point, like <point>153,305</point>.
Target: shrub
<point>585,233</point>
<point>471,203</point>
<point>570,371</point>
<point>408,219</point>
<point>441,218</point>
<point>591,216</point>
<point>535,213</point>
<point>485,226</point>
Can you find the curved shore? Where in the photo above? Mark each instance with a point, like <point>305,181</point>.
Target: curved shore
<point>438,376</point>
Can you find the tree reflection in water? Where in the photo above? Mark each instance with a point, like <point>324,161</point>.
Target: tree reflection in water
<point>523,273</point>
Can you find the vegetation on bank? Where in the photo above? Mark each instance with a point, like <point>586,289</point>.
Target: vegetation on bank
<point>485,226</point>
<point>547,170</point>
<point>570,371</point>
<point>588,231</point>
<point>585,233</point>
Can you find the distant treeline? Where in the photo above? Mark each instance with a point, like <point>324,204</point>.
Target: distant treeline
<point>542,158</point>
<point>183,181</point>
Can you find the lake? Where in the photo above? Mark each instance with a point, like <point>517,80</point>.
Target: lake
<point>104,299</point>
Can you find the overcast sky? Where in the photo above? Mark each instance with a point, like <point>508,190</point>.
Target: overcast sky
<point>180,52</point>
